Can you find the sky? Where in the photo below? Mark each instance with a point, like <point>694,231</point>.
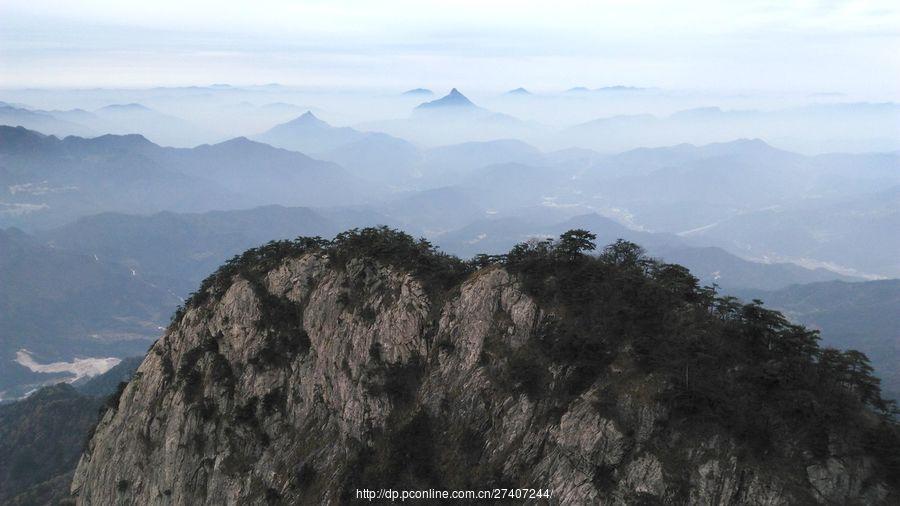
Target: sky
<point>761,45</point>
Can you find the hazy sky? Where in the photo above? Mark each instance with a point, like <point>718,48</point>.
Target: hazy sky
<point>804,46</point>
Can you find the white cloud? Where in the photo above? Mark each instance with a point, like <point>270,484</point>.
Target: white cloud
<point>847,45</point>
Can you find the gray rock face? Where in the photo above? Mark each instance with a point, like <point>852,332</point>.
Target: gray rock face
<point>302,386</point>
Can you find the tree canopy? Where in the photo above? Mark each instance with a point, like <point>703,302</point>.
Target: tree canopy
<point>741,366</point>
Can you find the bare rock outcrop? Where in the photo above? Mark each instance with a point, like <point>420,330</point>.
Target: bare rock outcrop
<point>312,380</point>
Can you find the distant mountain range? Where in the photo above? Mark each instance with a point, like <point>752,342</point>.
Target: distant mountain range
<point>452,119</point>
<point>130,118</point>
<point>50,181</point>
<point>373,156</point>
<point>388,159</point>
<point>745,196</point>
<point>820,128</point>
<point>751,199</point>
<point>39,120</point>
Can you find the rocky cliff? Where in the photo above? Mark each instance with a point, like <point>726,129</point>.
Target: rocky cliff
<point>300,373</point>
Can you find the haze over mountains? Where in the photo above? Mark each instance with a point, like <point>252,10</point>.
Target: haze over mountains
<point>301,252</point>
<point>610,118</point>
<point>92,176</point>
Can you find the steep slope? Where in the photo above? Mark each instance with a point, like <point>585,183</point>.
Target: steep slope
<point>42,436</point>
<point>305,370</point>
<point>107,383</point>
<point>41,439</point>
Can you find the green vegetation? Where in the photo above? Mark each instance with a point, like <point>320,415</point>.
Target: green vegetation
<point>860,315</point>
<point>720,362</point>
<point>436,270</point>
<point>740,366</point>
<point>252,265</point>
<point>40,442</point>
<point>403,457</point>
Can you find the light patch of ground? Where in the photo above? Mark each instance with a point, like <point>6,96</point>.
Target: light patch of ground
<point>78,368</point>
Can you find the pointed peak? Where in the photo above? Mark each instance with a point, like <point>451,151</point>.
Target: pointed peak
<point>452,99</point>
<point>518,91</point>
<point>308,119</point>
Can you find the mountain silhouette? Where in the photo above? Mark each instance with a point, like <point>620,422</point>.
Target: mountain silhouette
<point>453,99</point>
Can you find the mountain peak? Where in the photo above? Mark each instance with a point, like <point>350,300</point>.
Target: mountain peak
<point>298,324</point>
<point>15,138</point>
<point>518,91</point>
<point>419,92</point>
<point>452,99</point>
<point>239,142</point>
<point>308,119</point>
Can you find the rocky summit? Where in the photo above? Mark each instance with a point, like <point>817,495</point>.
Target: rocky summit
<point>304,370</point>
